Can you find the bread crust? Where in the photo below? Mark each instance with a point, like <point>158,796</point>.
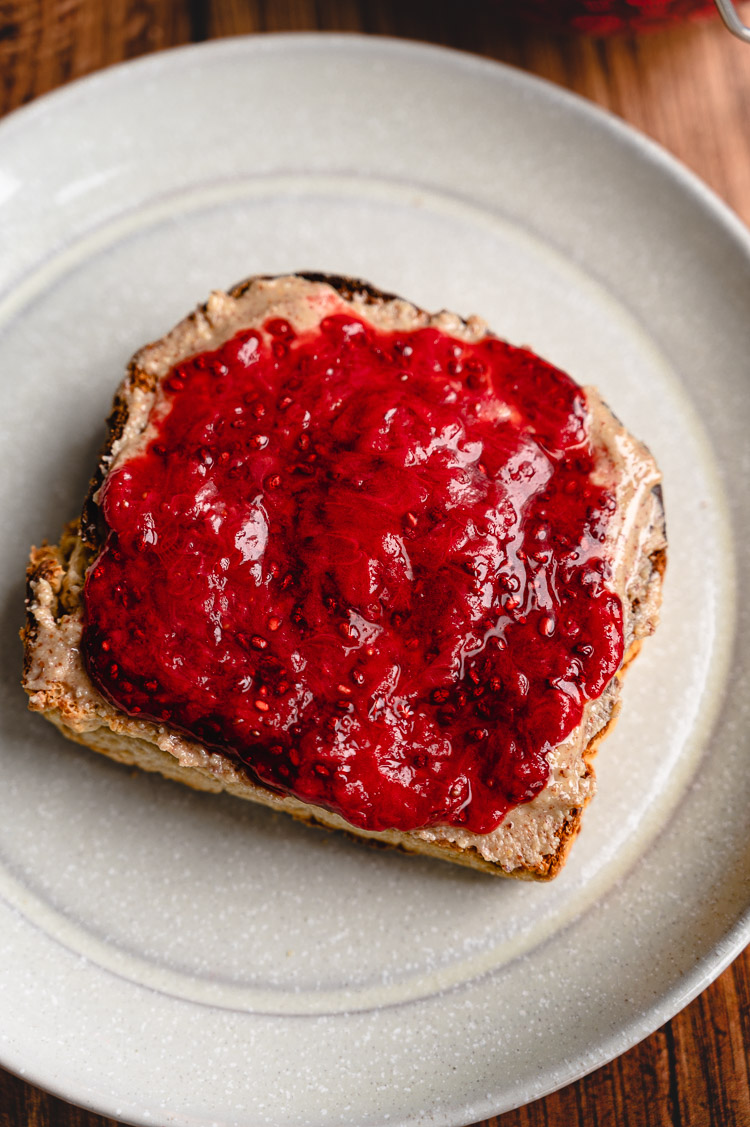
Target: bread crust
<point>59,688</point>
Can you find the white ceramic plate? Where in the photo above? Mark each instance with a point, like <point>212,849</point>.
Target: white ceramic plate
<point>167,957</point>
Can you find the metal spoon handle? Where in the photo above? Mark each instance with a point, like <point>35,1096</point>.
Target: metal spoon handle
<point>733,20</point>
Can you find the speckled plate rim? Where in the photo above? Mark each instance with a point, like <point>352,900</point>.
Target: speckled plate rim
<point>714,957</point>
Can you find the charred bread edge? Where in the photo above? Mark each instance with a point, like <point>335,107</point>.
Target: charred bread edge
<point>46,561</point>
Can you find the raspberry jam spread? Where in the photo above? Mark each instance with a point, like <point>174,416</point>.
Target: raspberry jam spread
<point>367,566</point>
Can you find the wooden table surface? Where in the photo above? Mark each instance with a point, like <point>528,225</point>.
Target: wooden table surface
<point>690,89</point>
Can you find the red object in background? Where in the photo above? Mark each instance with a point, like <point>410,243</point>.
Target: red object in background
<point>605,17</point>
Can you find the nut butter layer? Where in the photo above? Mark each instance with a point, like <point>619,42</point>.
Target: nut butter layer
<point>422,676</point>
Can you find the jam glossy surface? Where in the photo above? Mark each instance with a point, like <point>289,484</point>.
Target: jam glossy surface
<point>367,566</point>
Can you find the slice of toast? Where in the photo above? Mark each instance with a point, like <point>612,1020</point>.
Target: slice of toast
<point>533,839</point>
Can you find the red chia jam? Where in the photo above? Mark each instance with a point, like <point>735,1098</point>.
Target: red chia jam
<point>367,566</point>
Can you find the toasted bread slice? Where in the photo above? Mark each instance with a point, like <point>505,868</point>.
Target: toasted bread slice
<point>533,840</point>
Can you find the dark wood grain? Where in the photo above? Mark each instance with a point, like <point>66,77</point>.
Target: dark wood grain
<point>689,89</point>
